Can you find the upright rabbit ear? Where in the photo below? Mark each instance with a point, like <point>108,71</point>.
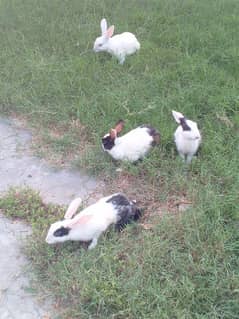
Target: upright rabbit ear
<point>103,25</point>
<point>113,133</point>
<point>71,210</point>
<point>119,126</point>
<point>177,116</point>
<point>110,31</point>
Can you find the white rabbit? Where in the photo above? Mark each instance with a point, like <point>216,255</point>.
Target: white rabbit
<point>92,221</point>
<point>132,146</point>
<point>119,45</point>
<point>187,137</point>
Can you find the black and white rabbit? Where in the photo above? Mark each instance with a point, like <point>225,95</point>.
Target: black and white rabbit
<point>132,146</point>
<point>187,137</point>
<point>92,221</point>
<point>119,45</point>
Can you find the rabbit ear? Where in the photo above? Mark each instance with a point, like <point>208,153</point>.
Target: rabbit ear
<point>80,221</point>
<point>103,25</point>
<point>119,126</point>
<point>177,116</point>
<point>113,133</point>
<point>71,210</point>
<point>110,31</point>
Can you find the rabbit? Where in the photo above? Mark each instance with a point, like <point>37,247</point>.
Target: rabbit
<point>92,221</point>
<point>132,146</point>
<point>119,45</point>
<point>187,137</point>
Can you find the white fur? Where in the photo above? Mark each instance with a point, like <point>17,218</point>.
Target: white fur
<point>187,142</point>
<point>177,116</point>
<point>132,146</point>
<point>119,45</point>
<point>101,214</point>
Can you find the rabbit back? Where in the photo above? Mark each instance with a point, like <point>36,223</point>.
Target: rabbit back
<point>124,43</point>
<point>133,145</point>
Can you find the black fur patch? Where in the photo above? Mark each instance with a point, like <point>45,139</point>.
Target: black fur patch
<point>108,142</point>
<point>118,200</point>
<point>60,232</point>
<point>154,133</point>
<point>127,211</point>
<point>184,124</point>
<point>127,216</point>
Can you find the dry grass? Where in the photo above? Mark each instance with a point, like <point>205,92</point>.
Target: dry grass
<point>57,144</point>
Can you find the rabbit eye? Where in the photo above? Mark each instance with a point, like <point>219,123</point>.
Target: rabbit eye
<point>60,232</point>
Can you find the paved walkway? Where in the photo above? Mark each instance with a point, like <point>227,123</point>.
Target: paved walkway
<point>17,168</point>
<point>16,300</point>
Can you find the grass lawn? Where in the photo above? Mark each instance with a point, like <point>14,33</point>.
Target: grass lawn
<point>187,265</point>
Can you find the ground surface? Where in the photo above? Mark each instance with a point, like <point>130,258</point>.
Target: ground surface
<point>16,298</point>
<point>18,168</point>
<point>58,186</point>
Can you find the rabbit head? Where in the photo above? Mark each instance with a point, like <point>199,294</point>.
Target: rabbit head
<point>68,229</point>
<point>101,43</point>
<point>180,119</point>
<point>186,124</point>
<point>58,232</point>
<point>108,141</point>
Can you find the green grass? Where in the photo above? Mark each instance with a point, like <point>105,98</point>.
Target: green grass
<point>187,267</point>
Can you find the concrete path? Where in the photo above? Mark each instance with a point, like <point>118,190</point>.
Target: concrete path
<point>18,168</point>
<point>16,300</point>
